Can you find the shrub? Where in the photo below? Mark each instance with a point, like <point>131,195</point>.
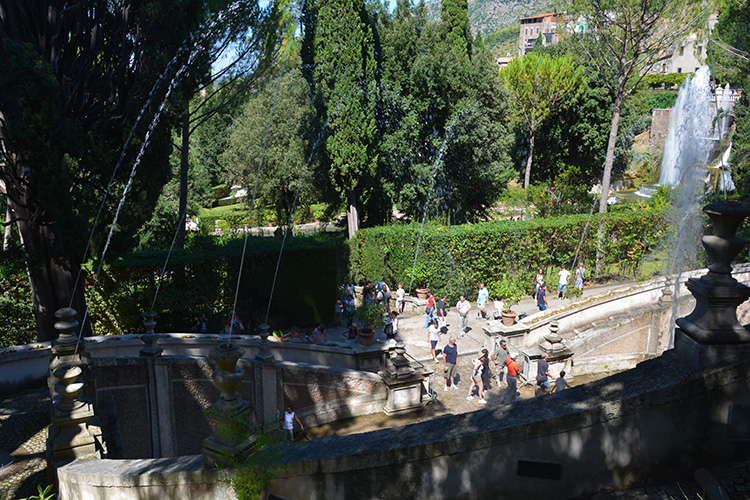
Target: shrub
<point>203,278</point>
<point>16,306</point>
<point>454,259</point>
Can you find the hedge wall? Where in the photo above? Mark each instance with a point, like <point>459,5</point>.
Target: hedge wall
<point>454,259</point>
<point>203,278</point>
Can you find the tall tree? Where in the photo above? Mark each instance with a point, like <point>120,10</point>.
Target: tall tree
<point>344,81</point>
<point>75,77</point>
<point>540,85</point>
<point>624,39</point>
<point>455,17</point>
<point>284,167</point>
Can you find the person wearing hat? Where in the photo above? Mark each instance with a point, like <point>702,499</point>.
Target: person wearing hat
<point>512,376</point>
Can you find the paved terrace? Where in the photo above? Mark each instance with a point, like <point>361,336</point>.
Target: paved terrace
<point>24,418</point>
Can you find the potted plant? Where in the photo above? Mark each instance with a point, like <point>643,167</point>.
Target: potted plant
<point>368,316</point>
<point>511,292</point>
<point>419,275</point>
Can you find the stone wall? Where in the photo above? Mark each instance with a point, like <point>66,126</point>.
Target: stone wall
<point>159,403</point>
<point>643,425</point>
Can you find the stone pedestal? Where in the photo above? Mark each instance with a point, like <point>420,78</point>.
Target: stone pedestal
<point>151,348</point>
<point>711,335</point>
<point>404,384</point>
<point>67,350</point>
<point>70,436</point>
<point>232,440</point>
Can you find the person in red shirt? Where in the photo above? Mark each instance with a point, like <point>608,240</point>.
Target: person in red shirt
<point>510,392</point>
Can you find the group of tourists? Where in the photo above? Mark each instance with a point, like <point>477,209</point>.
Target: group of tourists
<point>540,288</point>
<point>504,361</point>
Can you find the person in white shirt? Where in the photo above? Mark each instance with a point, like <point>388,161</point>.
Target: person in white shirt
<point>400,294</point>
<point>289,418</point>
<point>463,307</point>
<point>482,297</point>
<point>433,337</point>
<point>564,274</point>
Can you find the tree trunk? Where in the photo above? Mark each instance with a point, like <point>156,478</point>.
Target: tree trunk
<point>352,215</point>
<point>607,176</point>
<point>184,168</point>
<point>8,228</point>
<point>52,278</point>
<point>606,180</point>
<point>527,178</point>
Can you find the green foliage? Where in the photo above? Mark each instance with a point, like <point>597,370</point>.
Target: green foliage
<point>510,289</point>
<point>741,146</point>
<point>220,191</point>
<point>661,100</point>
<point>455,259</point>
<point>16,305</point>
<point>504,41</point>
<point>731,52</point>
<point>455,17</point>
<point>539,85</point>
<point>664,80</point>
<point>281,145</point>
<point>42,494</point>
<point>369,315</point>
<point>203,278</point>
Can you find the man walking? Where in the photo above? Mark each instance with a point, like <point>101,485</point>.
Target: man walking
<point>482,296</point>
<point>450,363</point>
<point>499,356</point>
<point>541,298</point>
<point>442,313</point>
<point>463,307</point>
<point>543,375</point>
<point>564,275</point>
<point>512,378</point>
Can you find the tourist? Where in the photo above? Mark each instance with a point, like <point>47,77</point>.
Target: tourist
<point>499,357</point>
<point>497,308</point>
<point>237,326</point>
<point>429,309</point>
<point>386,298</point>
<point>289,418</point>
<point>543,375</point>
<point>201,324</point>
<point>391,325</point>
<point>367,292</point>
<point>486,372</point>
<point>538,282</point>
<point>348,309</point>
<point>318,335</point>
<point>276,336</point>
<point>400,295</point>
<point>564,274</point>
<point>512,378</point>
<point>293,334</point>
<point>560,382</point>
<point>476,377</point>
<point>442,311</point>
<point>352,332</point>
<point>463,307</point>
<point>541,298</point>
<point>350,289</point>
<point>226,328</point>
<point>450,363</point>
<point>482,297</point>
<point>433,337</point>
<point>578,282</point>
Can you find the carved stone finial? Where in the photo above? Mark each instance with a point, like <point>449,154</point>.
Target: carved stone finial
<point>151,348</point>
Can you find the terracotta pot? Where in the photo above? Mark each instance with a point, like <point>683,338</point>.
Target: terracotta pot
<point>422,293</point>
<point>366,337</point>
<point>509,317</point>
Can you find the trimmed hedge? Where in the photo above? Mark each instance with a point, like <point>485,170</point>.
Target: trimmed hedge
<point>455,259</point>
<point>203,279</point>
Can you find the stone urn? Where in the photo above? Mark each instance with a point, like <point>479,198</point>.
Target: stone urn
<point>508,317</point>
<point>422,293</point>
<point>228,375</point>
<point>366,336</point>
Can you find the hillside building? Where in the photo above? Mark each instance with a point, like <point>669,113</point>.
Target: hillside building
<point>544,25</point>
